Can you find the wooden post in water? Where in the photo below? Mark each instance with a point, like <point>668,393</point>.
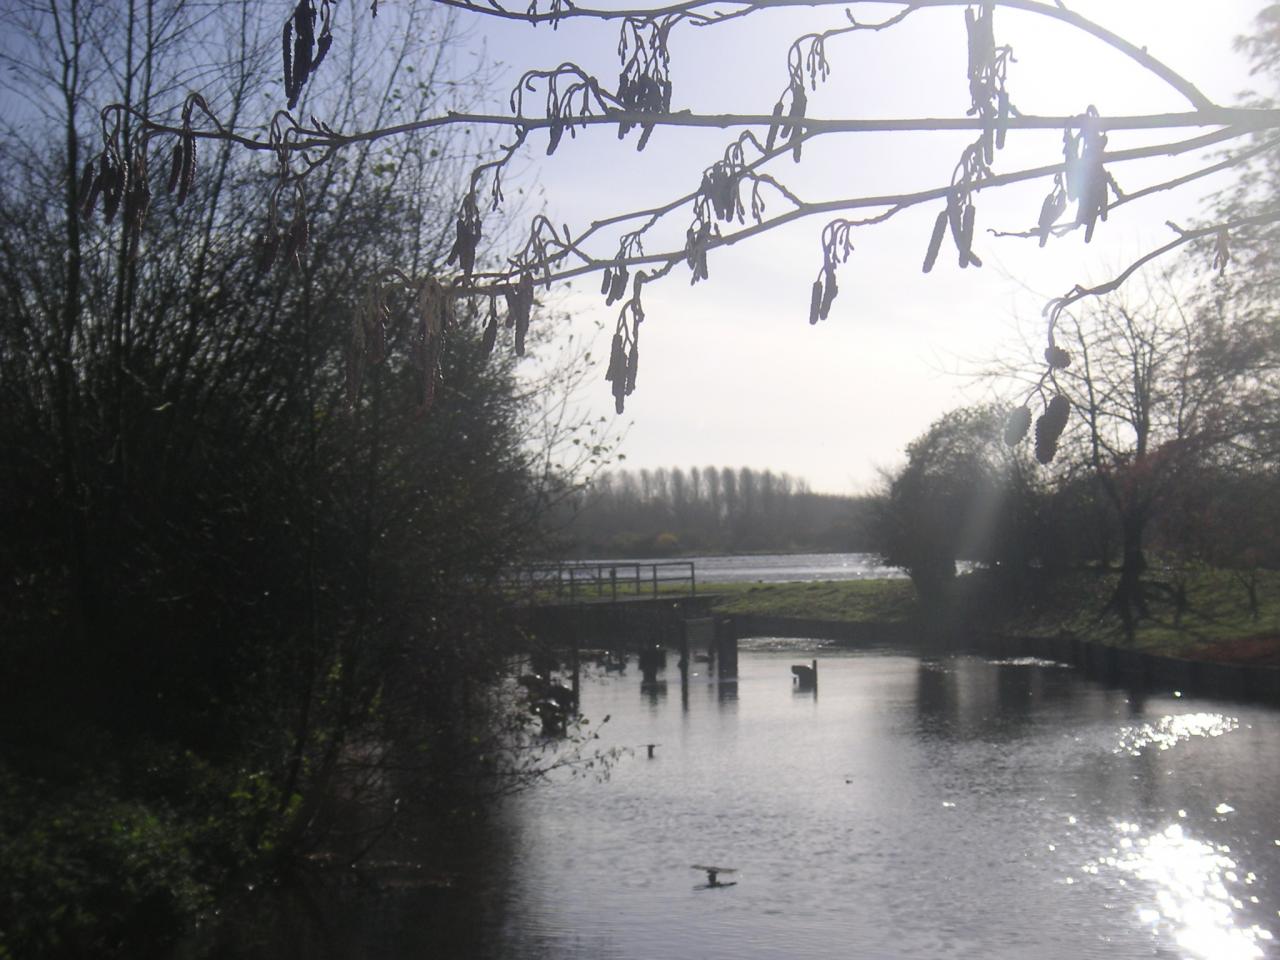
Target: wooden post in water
<point>575,664</point>
<point>726,643</point>
<point>684,652</point>
<point>571,626</point>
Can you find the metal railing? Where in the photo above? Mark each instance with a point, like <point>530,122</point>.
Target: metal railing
<point>584,581</point>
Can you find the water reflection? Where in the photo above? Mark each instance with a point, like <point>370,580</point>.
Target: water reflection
<point>1198,890</point>
<point>654,693</point>
<point>1016,689</point>
<point>940,808</point>
<point>935,691</point>
<point>1168,731</point>
<point>963,699</point>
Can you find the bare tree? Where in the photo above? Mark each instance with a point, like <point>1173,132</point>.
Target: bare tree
<point>741,193</point>
<point>1156,393</point>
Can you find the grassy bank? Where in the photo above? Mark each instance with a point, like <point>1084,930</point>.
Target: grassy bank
<point>859,601</point>
<point>1215,622</point>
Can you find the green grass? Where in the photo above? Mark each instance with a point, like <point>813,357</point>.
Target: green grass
<point>1216,625</point>
<point>884,601</point>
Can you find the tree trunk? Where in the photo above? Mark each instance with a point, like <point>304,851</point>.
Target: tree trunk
<point>1128,600</point>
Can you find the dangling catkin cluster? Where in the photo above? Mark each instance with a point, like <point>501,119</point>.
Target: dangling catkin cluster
<point>1049,427</point>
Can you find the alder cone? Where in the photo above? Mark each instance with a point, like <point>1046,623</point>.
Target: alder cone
<point>1016,427</point>
<point>1057,358</point>
<point>1049,427</point>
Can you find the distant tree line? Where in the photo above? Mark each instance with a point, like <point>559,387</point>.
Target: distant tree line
<point>669,511</point>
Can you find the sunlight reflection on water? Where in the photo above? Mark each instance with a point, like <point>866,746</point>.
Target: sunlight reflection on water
<point>938,792</point>
<point>1168,731</point>
<point>1196,887</point>
<point>906,809</point>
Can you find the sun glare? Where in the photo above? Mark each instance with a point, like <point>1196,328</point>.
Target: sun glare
<point>1197,889</point>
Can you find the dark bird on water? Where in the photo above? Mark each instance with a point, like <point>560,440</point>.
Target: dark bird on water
<point>713,875</point>
<point>806,677</point>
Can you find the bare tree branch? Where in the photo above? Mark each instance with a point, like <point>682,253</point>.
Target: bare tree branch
<point>728,206</point>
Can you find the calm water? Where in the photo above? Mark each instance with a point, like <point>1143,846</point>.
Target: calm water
<point>912,808</point>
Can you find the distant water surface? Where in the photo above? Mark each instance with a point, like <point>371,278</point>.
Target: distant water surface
<point>783,567</point>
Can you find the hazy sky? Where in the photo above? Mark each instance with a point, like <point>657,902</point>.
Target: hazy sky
<point>731,373</point>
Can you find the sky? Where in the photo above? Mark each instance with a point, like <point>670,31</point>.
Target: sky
<point>731,373</point>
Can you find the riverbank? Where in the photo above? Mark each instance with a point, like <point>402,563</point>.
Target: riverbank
<point>1203,616</point>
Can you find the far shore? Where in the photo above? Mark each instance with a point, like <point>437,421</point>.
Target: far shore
<point>1216,623</point>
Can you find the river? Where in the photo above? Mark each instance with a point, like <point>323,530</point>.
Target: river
<point>911,807</point>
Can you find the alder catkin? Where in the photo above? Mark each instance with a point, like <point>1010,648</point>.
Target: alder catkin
<point>966,234</point>
<point>490,333</point>
<point>828,294</point>
<point>935,241</point>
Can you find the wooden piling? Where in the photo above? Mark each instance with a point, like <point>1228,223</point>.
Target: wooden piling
<point>726,644</point>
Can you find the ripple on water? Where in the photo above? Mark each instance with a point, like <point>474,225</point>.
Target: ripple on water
<point>1169,731</point>
<point>1195,887</point>
<point>950,808</point>
<point>779,644</point>
<point>1028,662</point>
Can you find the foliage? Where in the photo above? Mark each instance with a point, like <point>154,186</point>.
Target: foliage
<point>1164,393</point>
<point>962,495</point>
<point>238,574</point>
<point>1226,519</point>
<point>117,864</point>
